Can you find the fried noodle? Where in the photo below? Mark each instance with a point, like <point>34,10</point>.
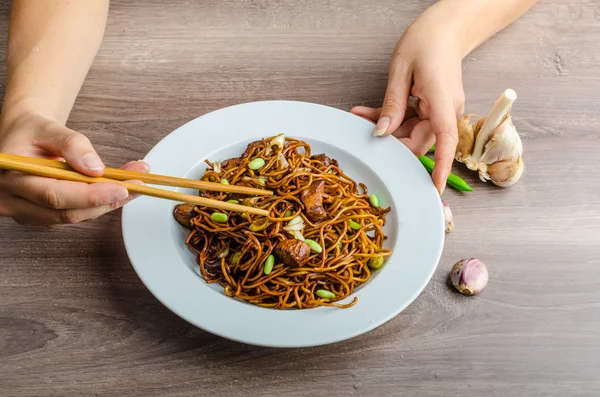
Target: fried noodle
<point>234,253</point>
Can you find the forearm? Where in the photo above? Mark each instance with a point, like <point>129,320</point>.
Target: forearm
<point>475,21</point>
<point>51,45</point>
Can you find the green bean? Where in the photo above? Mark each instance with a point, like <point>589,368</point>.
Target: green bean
<point>376,262</point>
<point>269,264</point>
<point>374,200</point>
<point>353,225</point>
<point>219,217</point>
<point>256,164</point>
<point>453,180</point>
<point>432,149</point>
<point>323,293</point>
<point>314,246</point>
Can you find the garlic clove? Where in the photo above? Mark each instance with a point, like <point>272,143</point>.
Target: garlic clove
<point>469,276</point>
<point>448,218</point>
<point>505,173</point>
<point>504,144</point>
<point>466,139</point>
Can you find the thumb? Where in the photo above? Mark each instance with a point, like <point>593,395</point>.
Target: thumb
<point>395,101</point>
<point>74,147</point>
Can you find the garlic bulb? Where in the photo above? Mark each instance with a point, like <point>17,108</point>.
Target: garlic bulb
<point>492,146</point>
<point>469,276</point>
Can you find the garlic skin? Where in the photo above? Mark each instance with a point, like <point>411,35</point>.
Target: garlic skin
<point>469,276</point>
<point>448,218</point>
<point>466,139</point>
<point>504,144</point>
<point>503,173</point>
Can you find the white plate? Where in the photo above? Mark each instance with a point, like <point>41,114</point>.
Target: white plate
<point>415,227</point>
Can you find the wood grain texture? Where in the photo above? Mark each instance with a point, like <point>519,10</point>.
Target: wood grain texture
<point>76,320</point>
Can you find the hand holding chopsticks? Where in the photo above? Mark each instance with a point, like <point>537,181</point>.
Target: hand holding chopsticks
<point>60,170</point>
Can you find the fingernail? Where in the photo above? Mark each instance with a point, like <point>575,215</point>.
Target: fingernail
<point>145,165</point>
<point>382,126</point>
<point>119,195</point>
<point>93,162</point>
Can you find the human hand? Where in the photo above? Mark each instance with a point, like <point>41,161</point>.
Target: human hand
<point>427,65</point>
<point>36,201</point>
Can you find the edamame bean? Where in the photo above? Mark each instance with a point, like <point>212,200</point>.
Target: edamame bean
<point>219,217</point>
<point>353,225</point>
<point>224,181</point>
<point>314,246</point>
<point>374,200</point>
<point>256,164</point>
<point>376,262</point>
<point>269,264</point>
<point>233,201</point>
<point>323,293</point>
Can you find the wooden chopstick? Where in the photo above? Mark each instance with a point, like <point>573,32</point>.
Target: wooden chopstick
<point>123,175</point>
<point>9,162</point>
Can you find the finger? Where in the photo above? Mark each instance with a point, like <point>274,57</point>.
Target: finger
<point>405,129</point>
<point>27,213</point>
<point>137,166</point>
<point>421,138</point>
<point>371,114</point>
<point>443,124</point>
<point>80,215</point>
<point>59,194</point>
<point>409,114</point>
<point>396,98</point>
<point>73,146</point>
<point>460,111</point>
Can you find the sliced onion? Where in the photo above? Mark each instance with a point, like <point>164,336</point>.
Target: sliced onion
<point>217,167</point>
<point>251,201</point>
<point>297,220</point>
<point>282,163</point>
<point>298,227</point>
<point>259,224</point>
<point>278,141</point>
<point>295,226</point>
<point>297,235</point>
<point>224,253</point>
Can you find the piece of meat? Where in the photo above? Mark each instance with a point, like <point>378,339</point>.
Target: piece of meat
<point>312,198</point>
<point>250,149</point>
<point>184,213</point>
<point>231,163</point>
<point>326,160</point>
<point>292,252</point>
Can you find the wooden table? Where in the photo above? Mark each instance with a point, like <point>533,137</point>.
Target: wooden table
<point>75,320</point>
